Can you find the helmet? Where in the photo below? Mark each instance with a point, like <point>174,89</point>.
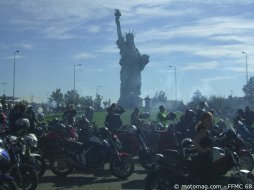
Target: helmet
<point>60,128</point>
<point>190,114</point>
<point>161,107</point>
<point>84,122</point>
<point>23,123</point>
<point>186,142</point>
<point>145,115</point>
<point>171,116</point>
<point>131,129</point>
<point>31,139</point>
<point>103,131</point>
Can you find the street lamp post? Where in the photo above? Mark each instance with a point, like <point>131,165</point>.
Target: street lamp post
<point>4,83</point>
<point>175,82</point>
<point>246,61</point>
<point>74,87</point>
<point>74,81</point>
<point>14,70</point>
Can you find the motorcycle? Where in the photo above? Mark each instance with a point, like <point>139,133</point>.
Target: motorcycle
<point>92,156</point>
<point>227,137</point>
<point>176,171</point>
<point>6,181</point>
<point>241,129</point>
<point>23,173</point>
<point>133,142</point>
<point>49,142</point>
<point>36,160</point>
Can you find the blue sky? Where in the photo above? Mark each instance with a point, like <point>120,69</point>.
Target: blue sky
<point>203,39</point>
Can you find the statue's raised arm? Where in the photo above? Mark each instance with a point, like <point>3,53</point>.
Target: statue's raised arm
<point>119,32</point>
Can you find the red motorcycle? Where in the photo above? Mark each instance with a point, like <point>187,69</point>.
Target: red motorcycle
<point>49,142</point>
<point>133,142</point>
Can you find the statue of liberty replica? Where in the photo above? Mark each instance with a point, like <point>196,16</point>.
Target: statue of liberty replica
<point>132,63</point>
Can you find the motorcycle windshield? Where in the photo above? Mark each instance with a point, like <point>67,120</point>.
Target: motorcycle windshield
<point>228,126</point>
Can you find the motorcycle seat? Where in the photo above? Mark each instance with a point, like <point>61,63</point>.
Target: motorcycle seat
<point>76,146</point>
<point>170,153</point>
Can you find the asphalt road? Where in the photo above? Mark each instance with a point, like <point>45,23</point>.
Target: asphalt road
<point>101,181</point>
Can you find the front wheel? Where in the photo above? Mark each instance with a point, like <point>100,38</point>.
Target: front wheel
<point>39,165</point>
<point>246,161</point>
<point>8,184</point>
<point>122,166</point>
<point>28,180</point>
<point>60,164</point>
<point>147,159</point>
<point>160,180</point>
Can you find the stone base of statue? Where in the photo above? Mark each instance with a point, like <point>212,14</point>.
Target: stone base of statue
<point>130,101</point>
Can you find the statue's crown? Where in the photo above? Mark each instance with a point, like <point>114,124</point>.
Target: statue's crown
<point>129,34</point>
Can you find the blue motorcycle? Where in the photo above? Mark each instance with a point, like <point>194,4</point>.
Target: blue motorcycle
<point>6,182</point>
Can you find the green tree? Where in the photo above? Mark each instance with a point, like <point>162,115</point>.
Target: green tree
<point>86,101</point>
<point>217,102</point>
<point>71,97</point>
<point>56,97</point>
<point>159,97</point>
<point>197,97</point>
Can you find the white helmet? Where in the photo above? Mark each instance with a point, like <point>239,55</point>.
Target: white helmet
<point>23,123</point>
<point>131,129</point>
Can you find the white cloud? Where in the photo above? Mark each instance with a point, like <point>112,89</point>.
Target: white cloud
<point>94,29</point>
<point>82,56</point>
<point>201,66</point>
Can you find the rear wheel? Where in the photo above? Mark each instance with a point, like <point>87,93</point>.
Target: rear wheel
<point>160,180</point>
<point>246,161</point>
<point>122,166</point>
<point>8,184</point>
<point>60,165</point>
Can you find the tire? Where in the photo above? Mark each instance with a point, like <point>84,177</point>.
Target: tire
<point>60,164</point>
<point>160,179</point>
<point>246,161</point>
<point>249,145</point>
<point>29,178</point>
<point>39,166</point>
<point>122,168</point>
<point>148,162</point>
<point>8,184</point>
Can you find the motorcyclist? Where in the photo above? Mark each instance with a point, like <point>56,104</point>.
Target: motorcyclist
<point>203,107</point>
<point>203,142</point>
<point>135,116</point>
<point>3,119</point>
<point>70,114</point>
<point>113,120</point>
<point>162,116</point>
<point>187,124</point>
<point>16,113</point>
<point>117,108</point>
<point>89,112</point>
<point>32,118</point>
<point>249,117</point>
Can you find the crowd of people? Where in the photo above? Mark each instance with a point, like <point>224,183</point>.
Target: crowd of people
<point>198,123</point>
